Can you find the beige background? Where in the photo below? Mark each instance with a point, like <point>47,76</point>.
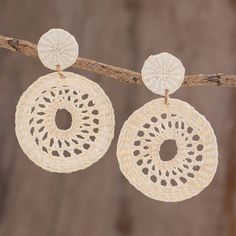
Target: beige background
<point>99,201</point>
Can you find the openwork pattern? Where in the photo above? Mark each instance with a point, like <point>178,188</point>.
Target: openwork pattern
<point>142,135</point>
<point>91,130</point>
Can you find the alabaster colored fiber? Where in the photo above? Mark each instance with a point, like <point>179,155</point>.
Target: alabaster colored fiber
<point>57,47</point>
<point>195,163</point>
<point>163,72</point>
<point>91,130</point>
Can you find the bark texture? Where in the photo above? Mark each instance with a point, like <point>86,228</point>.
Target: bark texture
<point>118,73</point>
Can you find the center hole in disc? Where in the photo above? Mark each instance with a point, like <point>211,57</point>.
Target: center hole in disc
<point>63,119</point>
<point>168,150</point>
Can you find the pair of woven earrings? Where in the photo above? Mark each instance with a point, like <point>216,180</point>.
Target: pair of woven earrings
<point>92,127</point>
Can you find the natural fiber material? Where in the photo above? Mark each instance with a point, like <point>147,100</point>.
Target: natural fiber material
<point>91,131</point>
<point>163,72</point>
<point>195,163</point>
<point>56,48</point>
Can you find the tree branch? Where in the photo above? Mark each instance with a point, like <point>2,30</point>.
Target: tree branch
<point>121,74</point>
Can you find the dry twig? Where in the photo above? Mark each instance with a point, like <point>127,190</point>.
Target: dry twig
<point>121,74</point>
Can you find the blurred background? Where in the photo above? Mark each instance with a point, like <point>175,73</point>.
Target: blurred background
<point>99,201</point>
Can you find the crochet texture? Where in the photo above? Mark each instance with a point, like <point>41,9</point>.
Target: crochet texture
<point>57,47</point>
<point>195,163</point>
<point>91,130</point>
<point>163,72</point>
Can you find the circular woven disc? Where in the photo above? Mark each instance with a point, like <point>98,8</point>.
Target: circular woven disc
<point>91,130</point>
<point>163,72</point>
<point>58,47</point>
<point>192,168</point>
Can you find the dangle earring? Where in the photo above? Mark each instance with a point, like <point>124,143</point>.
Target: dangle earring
<point>194,166</point>
<point>92,117</point>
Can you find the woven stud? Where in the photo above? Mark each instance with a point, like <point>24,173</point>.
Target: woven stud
<point>163,72</point>
<point>57,47</point>
<point>91,130</point>
<point>195,163</point>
